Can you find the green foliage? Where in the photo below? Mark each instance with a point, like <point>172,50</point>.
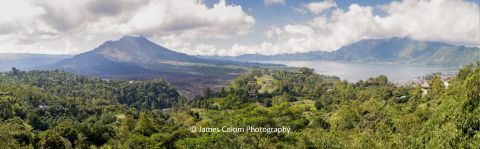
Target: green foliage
<point>269,83</point>
<point>307,71</point>
<point>344,118</point>
<point>145,125</point>
<point>74,111</point>
<point>53,140</point>
<point>67,129</point>
<point>60,110</point>
<point>437,88</point>
<point>318,105</point>
<point>320,123</point>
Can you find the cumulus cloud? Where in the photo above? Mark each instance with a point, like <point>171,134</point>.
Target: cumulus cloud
<point>451,21</point>
<point>48,26</point>
<point>75,26</point>
<point>199,21</point>
<point>319,7</point>
<point>271,2</point>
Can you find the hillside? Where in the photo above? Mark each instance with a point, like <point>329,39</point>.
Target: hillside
<point>403,50</point>
<point>300,109</point>
<point>394,50</point>
<point>154,94</point>
<point>137,58</point>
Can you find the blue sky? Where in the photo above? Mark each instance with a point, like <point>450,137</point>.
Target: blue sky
<point>285,13</point>
<point>280,14</point>
<point>267,16</point>
<point>232,27</point>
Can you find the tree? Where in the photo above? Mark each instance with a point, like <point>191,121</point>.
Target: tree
<point>98,133</point>
<point>382,80</point>
<point>67,130</point>
<point>344,118</point>
<point>14,134</point>
<point>320,122</point>
<point>307,71</point>
<point>472,91</point>
<point>6,110</point>
<point>207,92</point>
<point>15,71</point>
<point>52,140</point>
<point>138,141</point>
<point>318,105</point>
<point>437,88</point>
<point>145,125</point>
<point>36,121</point>
<point>464,72</point>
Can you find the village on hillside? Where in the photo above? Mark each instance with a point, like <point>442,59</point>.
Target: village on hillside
<point>424,81</point>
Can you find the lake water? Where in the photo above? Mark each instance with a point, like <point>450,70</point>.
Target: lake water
<point>354,72</point>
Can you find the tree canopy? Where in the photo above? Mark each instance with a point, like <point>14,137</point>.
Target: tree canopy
<point>53,109</point>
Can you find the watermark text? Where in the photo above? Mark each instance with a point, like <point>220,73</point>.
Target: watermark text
<point>248,129</point>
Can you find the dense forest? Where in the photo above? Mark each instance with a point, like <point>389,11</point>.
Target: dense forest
<point>53,109</point>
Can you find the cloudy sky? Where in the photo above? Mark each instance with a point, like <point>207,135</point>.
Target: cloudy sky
<point>232,27</point>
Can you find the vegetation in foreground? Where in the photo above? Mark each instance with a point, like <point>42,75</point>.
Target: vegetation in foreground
<point>60,110</point>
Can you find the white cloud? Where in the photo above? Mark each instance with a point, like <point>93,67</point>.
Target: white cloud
<point>450,21</point>
<point>37,25</point>
<point>271,2</point>
<point>160,18</point>
<point>319,7</point>
<point>48,26</point>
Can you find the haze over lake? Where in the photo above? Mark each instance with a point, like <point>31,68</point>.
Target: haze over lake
<point>354,72</point>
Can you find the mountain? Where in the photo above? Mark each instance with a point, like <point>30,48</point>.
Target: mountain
<point>27,61</point>
<point>130,57</point>
<point>404,50</point>
<point>96,65</point>
<point>286,57</point>
<point>393,50</point>
<point>137,58</point>
<point>140,50</point>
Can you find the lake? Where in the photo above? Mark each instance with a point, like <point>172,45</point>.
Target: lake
<point>354,72</point>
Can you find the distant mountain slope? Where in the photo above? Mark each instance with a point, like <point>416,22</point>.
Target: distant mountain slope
<point>132,56</point>
<point>396,50</point>
<point>403,50</point>
<point>27,60</point>
<point>137,58</point>
<point>140,50</point>
<point>94,64</point>
<point>287,57</point>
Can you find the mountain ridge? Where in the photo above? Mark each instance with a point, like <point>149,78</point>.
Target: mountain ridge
<point>136,53</point>
<point>392,50</point>
<point>137,58</point>
<point>138,49</point>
